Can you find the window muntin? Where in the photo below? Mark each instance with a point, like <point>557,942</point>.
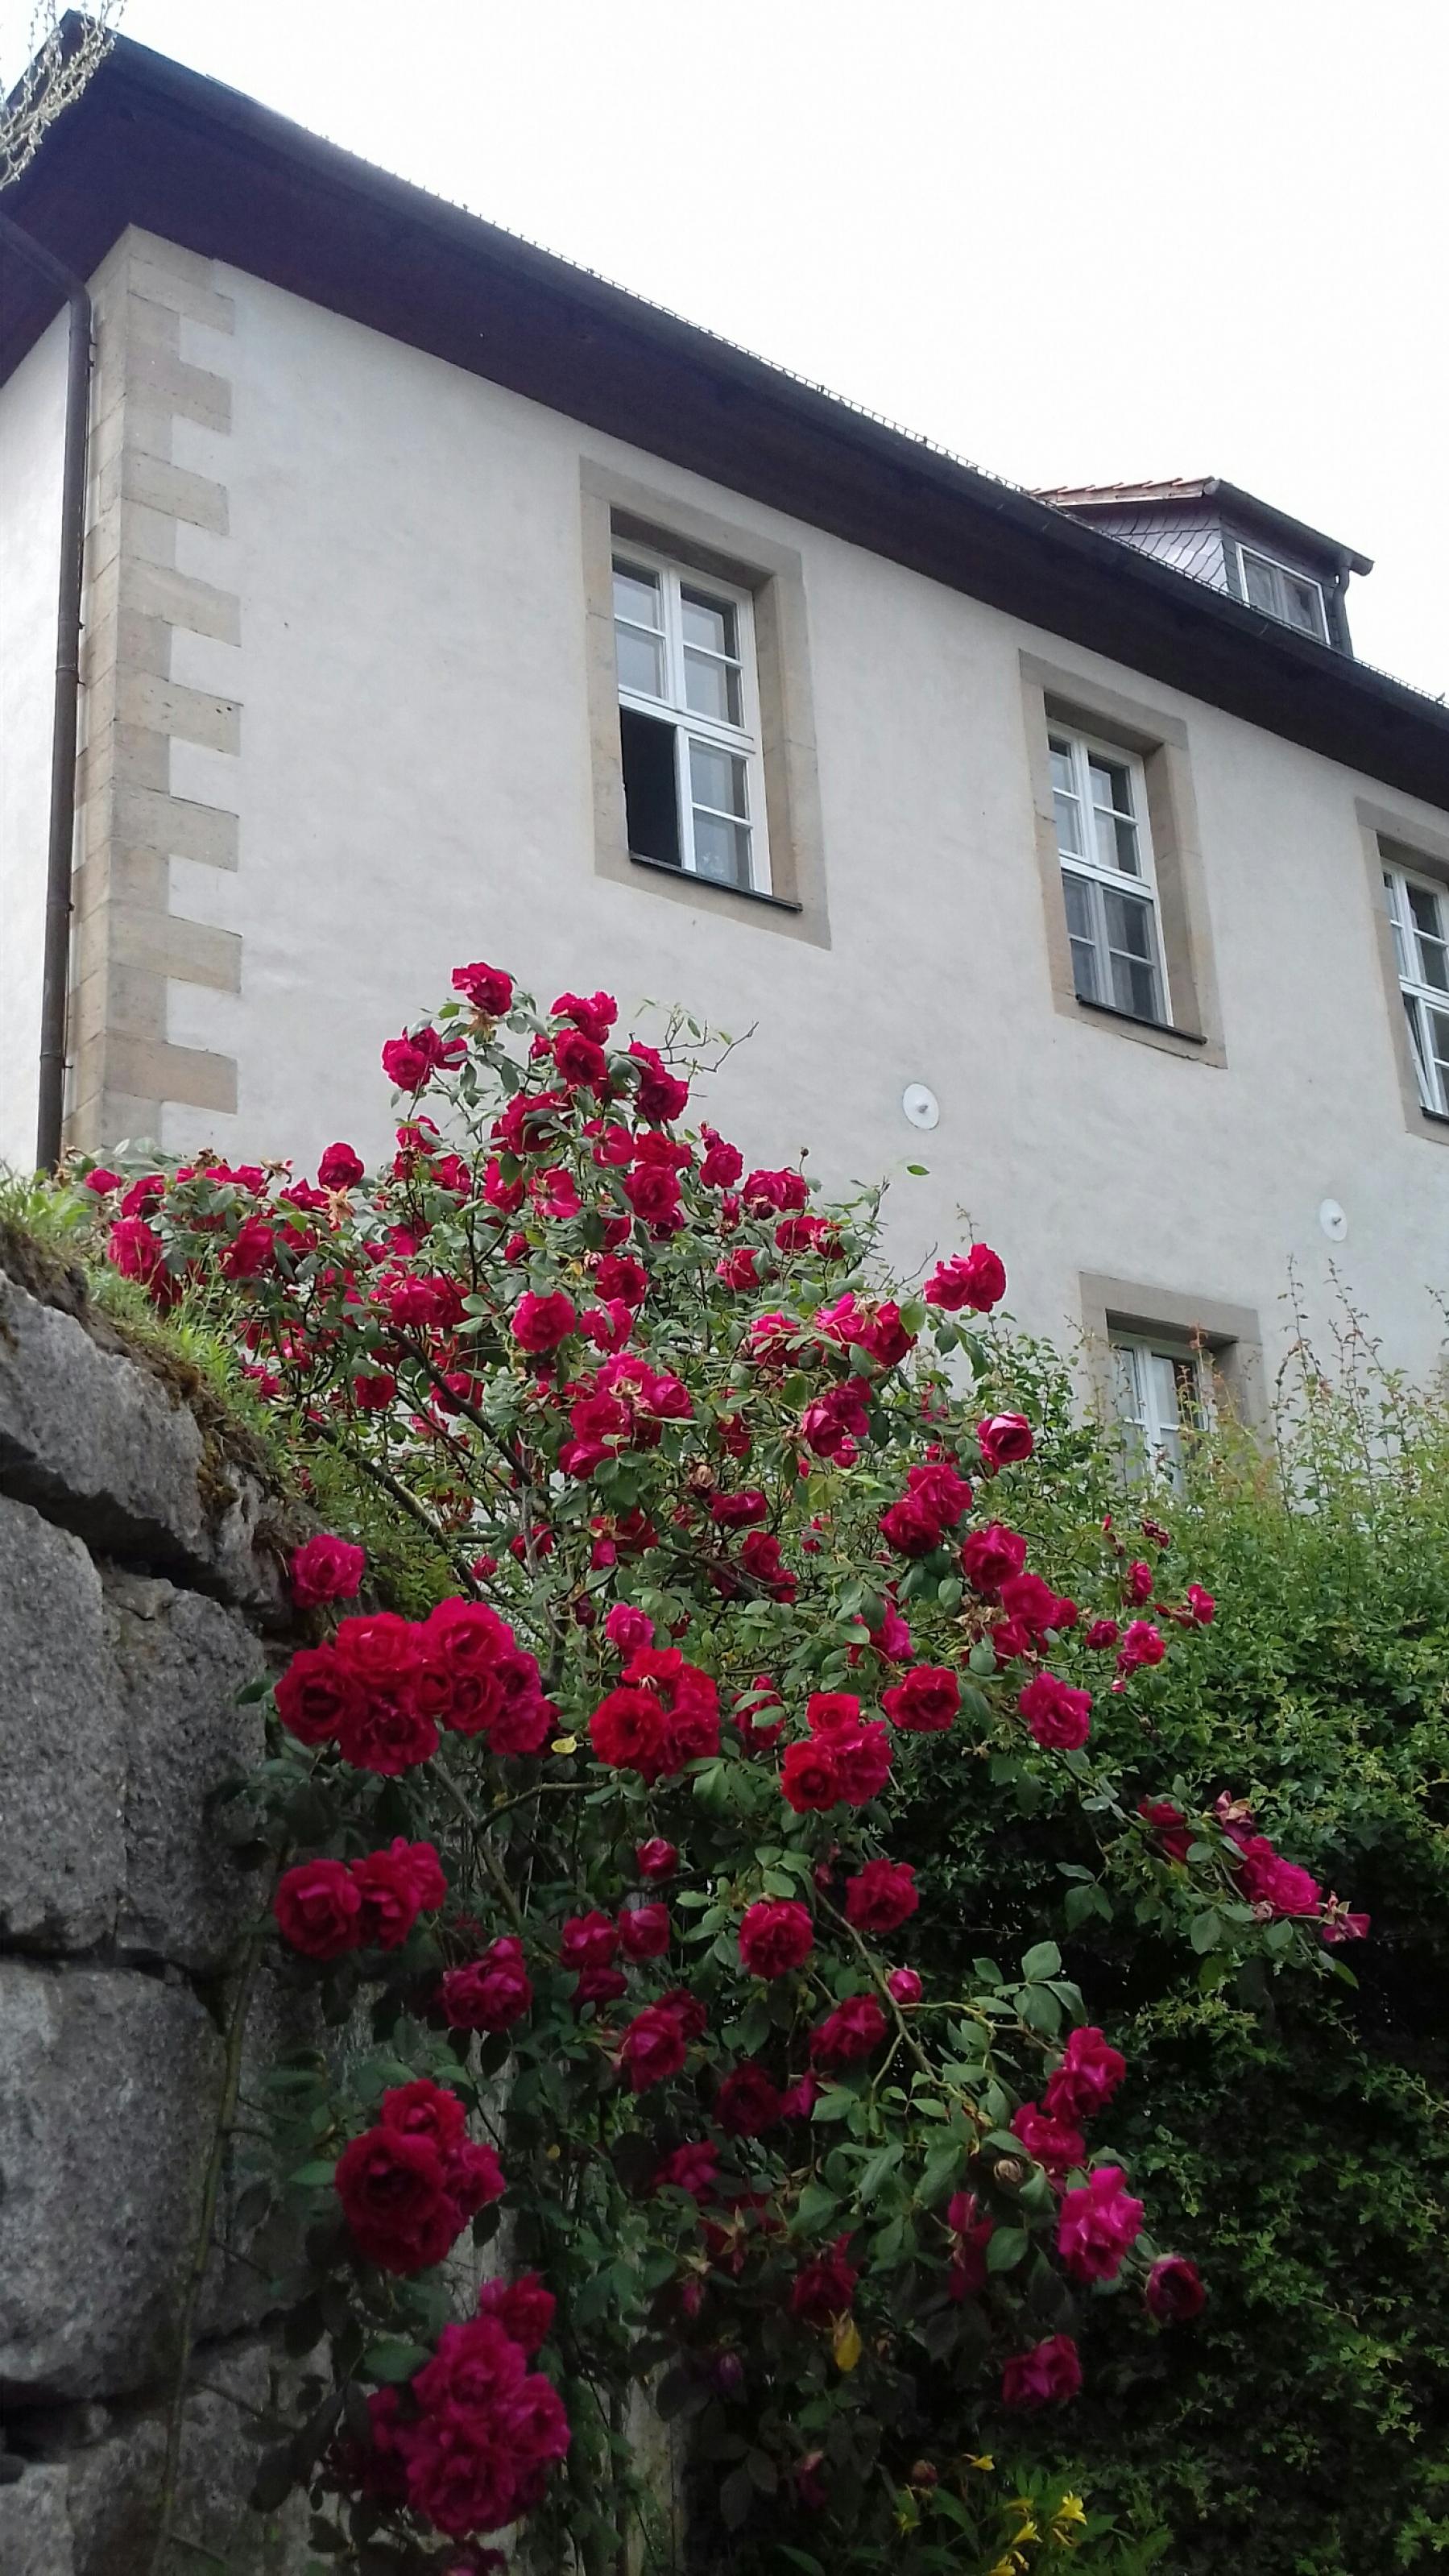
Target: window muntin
<point>1159,1393</point>
<point>1292,597</point>
<point>1099,796</point>
<point>689,721</point>
<point>1419,917</point>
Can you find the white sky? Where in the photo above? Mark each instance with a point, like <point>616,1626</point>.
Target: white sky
<point>1145,237</point>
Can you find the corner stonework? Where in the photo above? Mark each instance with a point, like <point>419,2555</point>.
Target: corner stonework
<point>130,945</point>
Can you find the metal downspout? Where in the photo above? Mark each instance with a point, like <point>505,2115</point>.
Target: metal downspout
<point>55,970</point>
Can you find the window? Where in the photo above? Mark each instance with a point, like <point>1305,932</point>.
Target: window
<point>1419,915</point>
<point>689,723</point>
<point>1100,800</point>
<point>1289,596</point>
<point>1159,1391</point>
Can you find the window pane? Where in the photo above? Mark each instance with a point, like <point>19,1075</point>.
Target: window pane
<point>641,661</point>
<point>1391,906</point>
<point>1111,785</point>
<point>1077,898</point>
<point>1260,581</point>
<point>712,688</point>
<point>1439,1042</point>
<point>1127,1405</point>
<point>1116,839</point>
<point>1132,950</point>
<point>1061,760</point>
<point>717,778</point>
<point>1301,604</point>
<point>636,597</point>
<point>1069,826</point>
<point>651,787</point>
<point>1428,924</point>
<point>1415,1014</point>
<point>710,622</point>
<point>721,849</point>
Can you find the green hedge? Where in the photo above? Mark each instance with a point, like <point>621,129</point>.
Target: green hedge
<point>1297,2141</point>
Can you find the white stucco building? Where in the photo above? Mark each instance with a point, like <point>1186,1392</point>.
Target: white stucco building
<point>444,602</point>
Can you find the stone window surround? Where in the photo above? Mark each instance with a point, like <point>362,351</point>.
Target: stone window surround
<point>1052,694</point>
<point>614,506</point>
<point>1425,852</point>
<point>1230,1336</point>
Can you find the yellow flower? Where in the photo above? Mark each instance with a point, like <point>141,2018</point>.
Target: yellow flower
<point>984,2462</point>
<point>1071,2509</point>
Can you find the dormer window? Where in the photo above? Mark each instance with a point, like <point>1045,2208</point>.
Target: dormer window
<point>1292,597</point>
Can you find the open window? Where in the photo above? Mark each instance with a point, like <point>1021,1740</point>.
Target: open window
<point>689,721</point>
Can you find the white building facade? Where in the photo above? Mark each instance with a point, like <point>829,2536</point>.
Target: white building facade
<point>442,603</point>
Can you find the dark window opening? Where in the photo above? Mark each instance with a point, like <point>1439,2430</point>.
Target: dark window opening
<point>651,787</point>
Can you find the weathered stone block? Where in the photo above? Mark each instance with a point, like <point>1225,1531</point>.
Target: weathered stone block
<point>100,1444</point>
<point>62,1854</point>
<point>115,2484</point>
<point>179,1661</point>
<point>35,2534</point>
<point>108,2088</point>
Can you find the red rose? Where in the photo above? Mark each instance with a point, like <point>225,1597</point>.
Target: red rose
<point>409,1062</point>
<point>881,1896</point>
<point>593,1013</point>
<point>656,1858</point>
<point>644,1931</point>
<point>340,1168</point>
<point>905,1985</point>
<point>1055,1713</point>
<point>250,1251</point>
<point>395,2200</point>
<point>1046,2376</point>
<point>101,1181</point>
<point>653,2047</point>
<point>723,1163</point>
<point>661,1096</point>
<point>490,1993</point>
<point>619,1275</point>
<point>1097,2225</point>
<point>318,1909</point>
<point>1030,1603</point>
<point>862,1759</point>
<point>1102,1634</point>
<point>990,1556</point>
<point>387,1892</point>
<point>976,1279</point>
<point>1174,2291</point>
<point>809,1778</point>
<point>1086,2079</point>
<point>924,1701</point>
<point>380,1648</point>
<point>852,2031</point>
<point>911,1527</point>
<point>540,1323</point>
<point>486,987</point>
<point>628,1629</point>
<point>776,1934</point>
<point>627,1732</point>
<point>1137,1583</point>
<point>1054,2145</point>
<point>473,2176</point>
<point>1280,1885</point>
<point>775,1193</point>
<point>316,1693</point>
<point>970,2236</point>
<point>387,1733</point>
<point>1141,1644</point>
<point>1201,1604</point>
<point>652,1191</point>
<point>825,2288</point>
<point>424,1871</point>
<point>1004,1439</point>
<point>423,2109</point>
<point>326,1569</point>
<point>944,1493</point>
<point>136,1250</point>
<point>588,1941</point>
<point>523,2308</point>
<point>374,1392</point>
<point>693,2168</point>
<point>579,1059</point>
<point>1169,1824</point>
<point>748,2101</point>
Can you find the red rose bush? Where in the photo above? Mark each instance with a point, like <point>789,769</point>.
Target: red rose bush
<point>584,1834</point>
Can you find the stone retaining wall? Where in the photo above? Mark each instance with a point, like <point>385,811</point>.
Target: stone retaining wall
<point>140,1574</point>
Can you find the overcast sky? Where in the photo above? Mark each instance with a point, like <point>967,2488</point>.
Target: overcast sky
<point>1070,243</point>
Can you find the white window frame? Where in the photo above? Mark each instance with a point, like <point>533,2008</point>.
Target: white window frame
<point>742,740</point>
<point>1292,573</point>
<point>1420,996</point>
<point>1082,746</point>
<point>1152,1446</point>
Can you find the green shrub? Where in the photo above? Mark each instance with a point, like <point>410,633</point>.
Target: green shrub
<point>1295,2142</point>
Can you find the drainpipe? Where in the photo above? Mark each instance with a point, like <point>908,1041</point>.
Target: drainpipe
<point>55,970</point>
